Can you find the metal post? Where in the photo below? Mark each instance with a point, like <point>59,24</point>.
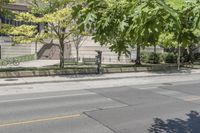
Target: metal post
<point>179,57</point>
<point>0,51</point>
<point>99,61</point>
<point>36,50</point>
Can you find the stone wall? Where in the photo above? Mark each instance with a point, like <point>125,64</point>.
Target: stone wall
<point>9,50</point>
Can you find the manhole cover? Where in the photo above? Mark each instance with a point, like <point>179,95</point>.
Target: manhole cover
<point>167,84</point>
<point>11,79</point>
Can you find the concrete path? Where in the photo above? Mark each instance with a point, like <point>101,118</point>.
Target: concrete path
<point>70,78</point>
<point>39,63</point>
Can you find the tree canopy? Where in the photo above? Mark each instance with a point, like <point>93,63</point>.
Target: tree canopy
<point>55,18</point>
<point>126,23</point>
<point>120,24</point>
<point>4,12</point>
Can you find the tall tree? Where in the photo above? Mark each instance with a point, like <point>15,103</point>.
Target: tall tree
<point>126,23</point>
<point>105,20</point>
<point>56,19</point>
<point>147,22</point>
<point>182,30</point>
<point>78,41</point>
<point>4,13</point>
<point>3,3</point>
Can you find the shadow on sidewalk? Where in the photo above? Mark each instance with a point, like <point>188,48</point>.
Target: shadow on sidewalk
<point>190,125</point>
<point>81,76</point>
<point>183,71</point>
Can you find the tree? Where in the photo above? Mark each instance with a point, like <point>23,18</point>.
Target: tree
<point>78,41</point>
<point>105,22</point>
<point>147,23</point>
<point>3,3</point>
<point>126,23</point>
<point>78,38</point>
<point>181,30</point>
<point>4,12</point>
<point>55,16</point>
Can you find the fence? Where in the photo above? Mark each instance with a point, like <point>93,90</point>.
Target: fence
<point>23,58</point>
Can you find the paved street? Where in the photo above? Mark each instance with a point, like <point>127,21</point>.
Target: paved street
<point>133,105</point>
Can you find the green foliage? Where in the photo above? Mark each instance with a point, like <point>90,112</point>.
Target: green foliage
<point>23,58</point>
<point>153,58</point>
<point>169,57</point>
<point>4,28</point>
<point>26,58</point>
<point>176,4</point>
<point>123,24</point>
<point>120,24</point>
<point>106,20</point>
<point>185,33</point>
<point>4,12</point>
<point>197,56</point>
<point>3,3</point>
<point>144,57</point>
<point>55,16</point>
<point>167,40</point>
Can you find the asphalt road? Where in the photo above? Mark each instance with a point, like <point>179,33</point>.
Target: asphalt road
<point>149,108</point>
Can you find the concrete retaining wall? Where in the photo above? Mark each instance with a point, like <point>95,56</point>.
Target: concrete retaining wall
<point>74,71</point>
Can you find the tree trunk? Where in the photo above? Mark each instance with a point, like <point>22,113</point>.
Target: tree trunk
<point>190,52</point>
<point>62,49</point>
<point>138,60</point>
<point>179,57</point>
<point>155,56</point>
<point>77,54</point>
<point>155,49</point>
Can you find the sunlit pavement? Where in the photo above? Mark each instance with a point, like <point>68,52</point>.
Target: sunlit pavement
<point>150,105</point>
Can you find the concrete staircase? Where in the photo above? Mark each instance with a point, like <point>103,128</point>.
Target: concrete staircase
<point>48,51</point>
<point>51,51</point>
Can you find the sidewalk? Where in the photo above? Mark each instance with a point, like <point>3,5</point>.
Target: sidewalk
<point>35,63</point>
<point>78,78</point>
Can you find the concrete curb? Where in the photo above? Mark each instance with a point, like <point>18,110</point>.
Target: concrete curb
<point>95,79</point>
<point>88,70</point>
<point>72,71</point>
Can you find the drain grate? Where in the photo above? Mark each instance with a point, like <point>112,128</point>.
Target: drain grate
<point>167,84</point>
<point>10,79</point>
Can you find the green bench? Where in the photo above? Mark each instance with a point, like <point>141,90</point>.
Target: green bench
<point>70,61</point>
<point>89,61</point>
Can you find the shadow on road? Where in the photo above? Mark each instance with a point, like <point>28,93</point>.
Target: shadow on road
<point>190,125</point>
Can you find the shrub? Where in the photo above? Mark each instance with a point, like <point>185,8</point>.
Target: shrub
<point>150,57</point>
<point>170,57</point>
<point>144,57</point>
<point>197,56</point>
<point>154,58</point>
<point>158,58</point>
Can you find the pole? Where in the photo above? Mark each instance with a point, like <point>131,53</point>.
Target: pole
<point>99,61</point>
<point>179,57</point>
<point>36,50</point>
<point>0,51</point>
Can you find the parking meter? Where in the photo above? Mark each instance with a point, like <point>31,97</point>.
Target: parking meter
<point>98,61</point>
